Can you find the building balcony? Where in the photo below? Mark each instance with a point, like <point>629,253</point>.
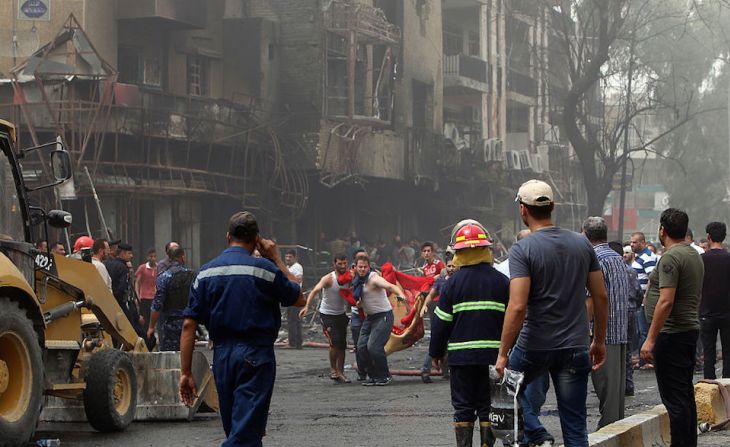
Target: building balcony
<point>460,4</point>
<point>369,23</point>
<point>174,14</point>
<point>520,87</point>
<point>465,74</point>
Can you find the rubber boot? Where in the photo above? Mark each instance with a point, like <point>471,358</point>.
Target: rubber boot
<point>464,433</point>
<point>486,435</point>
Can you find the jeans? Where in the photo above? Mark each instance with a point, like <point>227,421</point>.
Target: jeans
<point>245,385</point>
<point>294,325</point>
<point>674,362</point>
<point>569,369</point>
<point>642,327</point>
<point>426,367</point>
<point>709,327</point>
<point>374,335</point>
<point>630,347</point>
<point>534,394</point>
<point>355,326</point>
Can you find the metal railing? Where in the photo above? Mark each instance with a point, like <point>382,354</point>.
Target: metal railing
<point>466,66</point>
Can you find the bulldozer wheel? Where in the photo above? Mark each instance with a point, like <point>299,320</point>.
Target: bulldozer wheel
<point>110,397</point>
<point>21,375</point>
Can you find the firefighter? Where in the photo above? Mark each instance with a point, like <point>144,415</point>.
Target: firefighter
<point>468,325</point>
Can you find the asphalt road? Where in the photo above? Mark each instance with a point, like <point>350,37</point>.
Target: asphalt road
<point>308,409</point>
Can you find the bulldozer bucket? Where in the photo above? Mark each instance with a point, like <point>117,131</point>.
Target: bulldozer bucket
<point>158,376</point>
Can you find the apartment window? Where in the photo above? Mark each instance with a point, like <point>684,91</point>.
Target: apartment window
<point>152,72</point>
<point>129,65</point>
<point>198,76</point>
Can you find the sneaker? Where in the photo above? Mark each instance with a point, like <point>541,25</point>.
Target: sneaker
<point>362,378</point>
<point>369,382</point>
<point>545,443</point>
<point>426,378</point>
<point>382,382</point>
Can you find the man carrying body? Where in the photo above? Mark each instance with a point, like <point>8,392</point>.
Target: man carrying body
<point>549,273</point>
<point>429,305</point>
<point>294,323</point>
<point>715,304</point>
<point>333,313</point>
<point>371,291</point>
<point>171,298</point>
<point>432,266</point>
<point>237,297</point>
<point>644,263</point>
<point>671,304</point>
<point>468,323</point>
<point>610,381</point>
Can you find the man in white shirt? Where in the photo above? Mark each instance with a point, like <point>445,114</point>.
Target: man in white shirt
<point>294,323</point>
<point>690,238</point>
<point>99,253</point>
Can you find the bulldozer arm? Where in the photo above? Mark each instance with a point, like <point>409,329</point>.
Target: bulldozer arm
<point>157,374</point>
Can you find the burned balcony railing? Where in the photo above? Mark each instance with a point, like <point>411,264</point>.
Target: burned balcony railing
<point>522,84</point>
<point>344,17</point>
<point>466,66</point>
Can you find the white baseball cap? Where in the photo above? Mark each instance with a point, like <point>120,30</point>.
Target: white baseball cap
<point>535,193</point>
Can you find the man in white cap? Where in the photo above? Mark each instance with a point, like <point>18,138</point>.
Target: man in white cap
<point>549,273</point>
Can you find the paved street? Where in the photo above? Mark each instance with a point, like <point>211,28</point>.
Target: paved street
<point>309,410</point>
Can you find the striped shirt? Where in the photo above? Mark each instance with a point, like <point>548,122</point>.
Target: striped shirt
<point>617,286</point>
<point>644,264</point>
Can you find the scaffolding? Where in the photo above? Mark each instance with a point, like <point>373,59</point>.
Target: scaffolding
<point>137,140</point>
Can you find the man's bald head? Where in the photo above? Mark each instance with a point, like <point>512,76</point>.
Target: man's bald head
<point>523,234</point>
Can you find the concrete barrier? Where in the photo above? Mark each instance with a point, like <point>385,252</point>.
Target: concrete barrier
<point>651,428</point>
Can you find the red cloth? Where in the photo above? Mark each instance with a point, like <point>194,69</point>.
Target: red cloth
<point>346,293</point>
<point>414,284</point>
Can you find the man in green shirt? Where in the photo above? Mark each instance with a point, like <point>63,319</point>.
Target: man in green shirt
<point>671,306</point>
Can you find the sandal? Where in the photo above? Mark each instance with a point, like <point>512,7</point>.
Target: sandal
<point>342,379</point>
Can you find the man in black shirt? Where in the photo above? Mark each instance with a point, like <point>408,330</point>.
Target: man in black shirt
<point>715,304</point>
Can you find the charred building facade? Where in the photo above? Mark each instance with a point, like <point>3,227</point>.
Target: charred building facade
<point>325,117</point>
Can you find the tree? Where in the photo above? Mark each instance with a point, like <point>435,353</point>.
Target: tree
<point>619,51</point>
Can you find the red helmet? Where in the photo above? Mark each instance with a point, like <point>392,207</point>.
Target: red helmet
<point>469,233</point>
<point>83,242</point>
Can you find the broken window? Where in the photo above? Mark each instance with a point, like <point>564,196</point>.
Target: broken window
<point>129,65</point>
<point>361,62</point>
<point>198,75</point>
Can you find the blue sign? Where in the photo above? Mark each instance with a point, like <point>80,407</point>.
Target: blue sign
<point>34,9</point>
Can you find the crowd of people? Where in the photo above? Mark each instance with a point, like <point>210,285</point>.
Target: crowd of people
<point>563,307</point>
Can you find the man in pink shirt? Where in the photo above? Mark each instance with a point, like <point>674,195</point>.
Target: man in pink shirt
<point>146,278</point>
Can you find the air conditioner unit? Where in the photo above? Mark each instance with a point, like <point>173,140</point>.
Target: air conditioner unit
<point>512,159</point>
<point>526,160</point>
<point>495,149</point>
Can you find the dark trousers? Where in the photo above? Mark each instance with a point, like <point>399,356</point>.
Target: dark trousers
<point>709,327</point>
<point>630,347</point>
<point>145,308</point>
<point>470,392</point>
<point>370,354</point>
<point>244,393</point>
<point>674,362</point>
<point>294,327</point>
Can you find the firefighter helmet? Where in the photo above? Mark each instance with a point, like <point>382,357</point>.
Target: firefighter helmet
<point>468,234</point>
<point>83,242</point>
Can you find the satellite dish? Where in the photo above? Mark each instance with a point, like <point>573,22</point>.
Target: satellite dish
<point>25,43</point>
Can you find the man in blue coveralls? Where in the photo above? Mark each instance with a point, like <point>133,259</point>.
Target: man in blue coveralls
<point>237,297</point>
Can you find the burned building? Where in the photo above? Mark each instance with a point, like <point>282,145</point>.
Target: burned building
<point>374,117</point>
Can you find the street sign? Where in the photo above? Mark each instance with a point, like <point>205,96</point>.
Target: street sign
<point>34,10</point>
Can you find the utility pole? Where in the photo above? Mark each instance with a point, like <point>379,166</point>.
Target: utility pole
<point>627,124</point>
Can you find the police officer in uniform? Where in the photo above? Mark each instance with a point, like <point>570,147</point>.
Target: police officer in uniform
<point>171,298</point>
<point>468,324</point>
<point>237,297</point>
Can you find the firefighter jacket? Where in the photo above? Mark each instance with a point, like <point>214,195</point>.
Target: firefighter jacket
<point>468,320</point>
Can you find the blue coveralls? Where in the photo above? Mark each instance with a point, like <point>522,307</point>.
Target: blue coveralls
<point>237,297</point>
<point>468,324</point>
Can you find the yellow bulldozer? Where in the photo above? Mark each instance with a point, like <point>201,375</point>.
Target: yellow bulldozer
<point>65,344</point>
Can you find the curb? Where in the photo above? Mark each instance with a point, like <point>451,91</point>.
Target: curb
<point>644,429</point>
